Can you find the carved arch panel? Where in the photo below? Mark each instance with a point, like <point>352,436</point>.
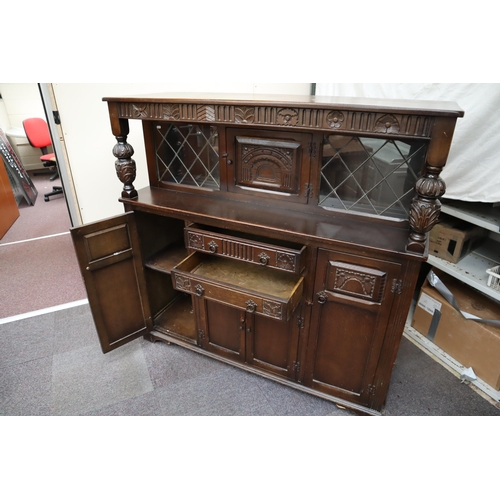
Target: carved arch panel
<point>273,164</point>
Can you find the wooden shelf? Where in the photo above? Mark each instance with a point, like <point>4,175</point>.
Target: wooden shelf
<point>178,319</point>
<point>168,258</point>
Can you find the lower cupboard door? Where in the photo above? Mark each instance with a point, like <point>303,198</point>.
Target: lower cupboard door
<point>222,329</point>
<point>350,316</point>
<point>272,344</point>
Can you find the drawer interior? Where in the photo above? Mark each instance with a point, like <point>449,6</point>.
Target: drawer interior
<point>241,275</point>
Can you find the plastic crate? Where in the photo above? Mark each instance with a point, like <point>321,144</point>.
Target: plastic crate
<point>494,278</point>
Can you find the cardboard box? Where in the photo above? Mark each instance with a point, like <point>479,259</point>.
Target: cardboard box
<point>452,239</point>
<point>472,344</point>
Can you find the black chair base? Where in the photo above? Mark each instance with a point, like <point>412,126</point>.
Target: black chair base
<point>55,190</point>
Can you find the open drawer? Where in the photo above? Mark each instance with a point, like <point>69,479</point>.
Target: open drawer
<point>257,289</point>
<point>288,257</point>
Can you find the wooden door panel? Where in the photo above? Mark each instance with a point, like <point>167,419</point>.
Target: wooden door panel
<point>270,344</point>
<point>224,329</point>
<point>353,303</point>
<point>345,336</point>
<point>110,262</point>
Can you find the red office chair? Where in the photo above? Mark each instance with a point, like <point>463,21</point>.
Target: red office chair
<point>37,132</point>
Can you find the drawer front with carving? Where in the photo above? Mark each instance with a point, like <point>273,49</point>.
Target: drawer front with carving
<point>259,290</point>
<point>235,247</point>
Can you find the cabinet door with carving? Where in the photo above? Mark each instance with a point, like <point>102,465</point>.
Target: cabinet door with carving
<point>269,164</point>
<point>353,298</point>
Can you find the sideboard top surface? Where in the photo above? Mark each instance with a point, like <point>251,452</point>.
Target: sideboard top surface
<point>408,106</point>
<point>277,221</point>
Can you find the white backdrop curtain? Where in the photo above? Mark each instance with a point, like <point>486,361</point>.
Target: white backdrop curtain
<point>472,172</point>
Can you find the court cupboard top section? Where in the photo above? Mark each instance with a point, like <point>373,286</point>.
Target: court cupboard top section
<point>369,157</point>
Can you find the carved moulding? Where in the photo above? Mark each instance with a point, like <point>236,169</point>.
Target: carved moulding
<point>317,118</point>
<point>425,208</point>
<point>125,166</point>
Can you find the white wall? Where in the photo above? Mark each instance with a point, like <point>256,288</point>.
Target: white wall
<point>89,141</point>
<point>21,100</point>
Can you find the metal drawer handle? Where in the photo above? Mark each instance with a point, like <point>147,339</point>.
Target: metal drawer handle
<point>251,306</point>
<point>198,290</point>
<point>212,247</point>
<point>322,298</point>
<point>264,259</point>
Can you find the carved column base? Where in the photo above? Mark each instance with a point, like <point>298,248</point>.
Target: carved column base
<point>425,208</point>
<point>423,216</point>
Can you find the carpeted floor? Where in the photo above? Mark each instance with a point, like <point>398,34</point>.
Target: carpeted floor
<point>38,266</point>
<point>53,365</point>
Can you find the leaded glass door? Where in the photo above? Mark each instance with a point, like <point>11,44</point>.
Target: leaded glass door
<point>370,175</point>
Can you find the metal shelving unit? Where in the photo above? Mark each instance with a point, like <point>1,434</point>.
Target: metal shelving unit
<point>470,270</point>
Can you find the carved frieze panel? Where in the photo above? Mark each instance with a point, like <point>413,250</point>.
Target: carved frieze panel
<point>356,281</point>
<point>341,120</point>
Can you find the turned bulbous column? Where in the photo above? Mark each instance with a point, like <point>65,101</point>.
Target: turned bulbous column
<point>425,208</point>
<point>125,166</point>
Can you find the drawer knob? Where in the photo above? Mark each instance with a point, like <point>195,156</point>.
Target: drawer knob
<point>198,290</point>
<point>212,247</point>
<point>264,259</point>
<point>251,306</point>
<point>322,298</point>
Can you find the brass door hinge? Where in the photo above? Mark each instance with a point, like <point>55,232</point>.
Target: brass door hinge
<point>300,322</point>
<point>371,390</point>
<point>296,366</point>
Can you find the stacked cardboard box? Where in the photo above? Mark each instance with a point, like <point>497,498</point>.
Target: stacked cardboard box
<point>452,239</point>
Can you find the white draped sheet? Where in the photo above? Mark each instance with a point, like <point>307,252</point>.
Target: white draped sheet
<point>472,172</point>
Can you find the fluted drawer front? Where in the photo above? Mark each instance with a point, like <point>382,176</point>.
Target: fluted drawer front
<point>290,258</point>
<point>259,290</point>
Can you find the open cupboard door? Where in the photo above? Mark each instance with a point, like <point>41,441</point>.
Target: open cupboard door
<point>110,261</point>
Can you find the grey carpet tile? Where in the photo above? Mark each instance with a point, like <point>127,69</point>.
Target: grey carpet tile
<point>169,364</point>
<point>87,380</point>
<point>26,340</point>
<point>139,406</point>
<point>286,401</point>
<point>25,388</point>
<point>226,392</point>
<point>420,386</point>
<point>74,328</point>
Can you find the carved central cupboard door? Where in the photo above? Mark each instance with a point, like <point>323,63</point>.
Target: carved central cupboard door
<point>274,164</point>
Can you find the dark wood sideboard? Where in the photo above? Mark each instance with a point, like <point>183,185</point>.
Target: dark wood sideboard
<point>280,234</point>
